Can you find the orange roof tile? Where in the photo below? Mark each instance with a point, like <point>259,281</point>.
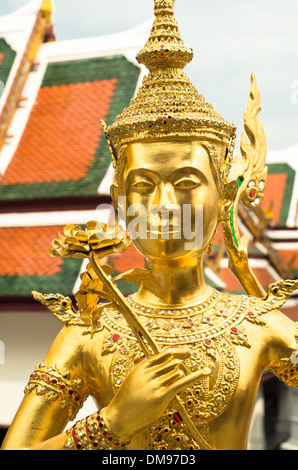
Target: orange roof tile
<point>274,194</point>
<point>289,256</point>
<point>233,284</point>
<point>62,133</point>
<point>130,259</point>
<point>24,251</point>
<point>291,312</point>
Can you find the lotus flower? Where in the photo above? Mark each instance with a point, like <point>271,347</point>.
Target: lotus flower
<point>99,238</point>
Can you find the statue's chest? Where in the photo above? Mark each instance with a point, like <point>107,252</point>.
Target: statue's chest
<point>211,332</point>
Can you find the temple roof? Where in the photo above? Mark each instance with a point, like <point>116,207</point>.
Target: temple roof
<point>61,151</point>
<point>54,160</point>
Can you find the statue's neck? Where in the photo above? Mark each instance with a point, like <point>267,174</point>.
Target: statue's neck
<point>182,282</point>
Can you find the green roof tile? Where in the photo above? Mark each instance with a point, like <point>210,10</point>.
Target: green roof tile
<point>7,55</point>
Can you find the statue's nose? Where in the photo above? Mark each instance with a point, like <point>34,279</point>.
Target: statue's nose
<point>165,196</point>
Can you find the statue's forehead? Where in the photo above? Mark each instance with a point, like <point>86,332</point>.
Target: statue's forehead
<point>165,154</point>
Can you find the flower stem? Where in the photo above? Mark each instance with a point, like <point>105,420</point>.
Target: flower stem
<point>137,328</point>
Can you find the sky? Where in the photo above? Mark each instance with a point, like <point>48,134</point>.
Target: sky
<point>231,39</point>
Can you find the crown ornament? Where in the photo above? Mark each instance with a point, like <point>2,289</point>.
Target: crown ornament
<point>167,105</point>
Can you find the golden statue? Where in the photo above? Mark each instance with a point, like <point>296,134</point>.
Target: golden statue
<point>178,364</point>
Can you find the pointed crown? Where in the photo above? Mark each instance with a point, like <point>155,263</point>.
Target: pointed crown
<point>167,105</point>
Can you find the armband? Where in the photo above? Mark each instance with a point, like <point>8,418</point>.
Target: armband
<point>92,433</point>
<point>49,382</point>
<point>286,369</point>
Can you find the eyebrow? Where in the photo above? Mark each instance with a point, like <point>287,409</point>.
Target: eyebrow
<point>183,171</point>
<point>188,170</point>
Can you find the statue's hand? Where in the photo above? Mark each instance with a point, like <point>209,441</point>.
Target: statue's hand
<point>147,391</point>
<point>237,247</point>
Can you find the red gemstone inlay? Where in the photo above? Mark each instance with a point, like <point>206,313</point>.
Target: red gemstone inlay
<point>207,341</point>
<point>252,193</point>
<point>177,418</point>
<point>234,329</point>
<point>251,314</point>
<point>115,337</point>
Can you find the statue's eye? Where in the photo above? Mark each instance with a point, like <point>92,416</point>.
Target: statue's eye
<point>142,185</point>
<point>187,183</point>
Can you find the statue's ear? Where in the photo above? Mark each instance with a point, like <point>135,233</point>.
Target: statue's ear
<point>114,191</point>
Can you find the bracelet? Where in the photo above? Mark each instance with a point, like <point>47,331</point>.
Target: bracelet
<point>48,381</point>
<point>92,433</point>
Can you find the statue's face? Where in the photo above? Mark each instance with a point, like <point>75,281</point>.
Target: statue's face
<point>171,198</point>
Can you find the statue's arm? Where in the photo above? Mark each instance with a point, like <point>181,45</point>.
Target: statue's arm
<point>55,392</point>
<point>283,355</point>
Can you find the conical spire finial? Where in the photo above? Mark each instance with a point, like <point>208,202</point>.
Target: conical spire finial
<point>167,105</point>
<point>47,6</point>
<point>164,47</point>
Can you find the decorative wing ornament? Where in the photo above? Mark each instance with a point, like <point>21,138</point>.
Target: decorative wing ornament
<point>246,184</point>
<point>253,153</point>
<point>62,307</point>
<point>280,291</point>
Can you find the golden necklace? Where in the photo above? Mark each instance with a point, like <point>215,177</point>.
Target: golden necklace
<point>210,330</point>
